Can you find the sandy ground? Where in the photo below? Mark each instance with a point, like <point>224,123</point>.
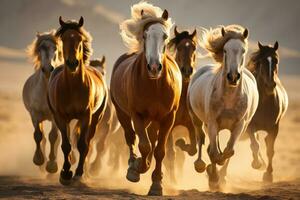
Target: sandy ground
<point>20,179</point>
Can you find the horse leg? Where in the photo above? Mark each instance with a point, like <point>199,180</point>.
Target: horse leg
<point>54,141</point>
<point>100,147</point>
<point>74,137</point>
<point>229,149</point>
<point>38,158</point>
<point>191,148</point>
<point>254,145</point>
<point>164,130</point>
<point>212,150</point>
<point>170,157</point>
<point>141,164</point>
<point>270,141</point>
<point>65,174</point>
<point>223,173</point>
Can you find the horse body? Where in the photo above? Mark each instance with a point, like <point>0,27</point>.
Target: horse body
<point>273,103</point>
<point>44,51</point>
<point>225,96</point>
<point>146,89</point>
<point>76,91</point>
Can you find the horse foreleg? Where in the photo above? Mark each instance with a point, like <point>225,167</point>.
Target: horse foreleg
<point>199,164</point>
<point>170,157</point>
<point>270,141</point>
<point>254,145</point>
<point>223,173</point>
<point>142,164</point>
<point>165,128</point>
<point>39,157</point>
<point>213,151</point>
<point>54,141</point>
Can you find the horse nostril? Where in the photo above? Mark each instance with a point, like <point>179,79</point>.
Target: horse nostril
<point>238,76</point>
<point>76,63</point>
<point>159,67</point>
<point>229,77</point>
<point>148,67</point>
<point>51,68</point>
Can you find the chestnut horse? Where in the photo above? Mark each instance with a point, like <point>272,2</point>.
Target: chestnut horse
<point>184,46</point>
<point>76,91</point>
<point>146,89</point>
<point>45,53</point>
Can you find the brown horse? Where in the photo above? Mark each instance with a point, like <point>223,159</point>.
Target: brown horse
<point>76,91</point>
<point>273,103</point>
<point>44,50</point>
<point>146,89</point>
<point>184,46</point>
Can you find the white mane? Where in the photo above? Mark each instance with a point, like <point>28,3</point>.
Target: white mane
<point>132,29</point>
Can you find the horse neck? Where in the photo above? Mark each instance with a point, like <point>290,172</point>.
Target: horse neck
<point>42,80</point>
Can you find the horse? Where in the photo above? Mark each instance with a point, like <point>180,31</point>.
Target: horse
<point>272,105</point>
<point>145,89</point>
<point>183,46</point>
<point>223,96</point>
<point>76,91</point>
<point>45,54</point>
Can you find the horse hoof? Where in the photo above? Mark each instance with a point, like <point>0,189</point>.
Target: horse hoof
<point>51,167</point>
<point>200,166</point>
<point>155,189</point>
<point>78,181</point>
<point>94,171</point>
<point>256,164</point>
<point>38,158</point>
<point>133,175</point>
<point>268,177</point>
<point>65,177</point>
<point>214,186</point>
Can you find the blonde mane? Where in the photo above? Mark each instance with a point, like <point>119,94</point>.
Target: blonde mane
<point>213,41</point>
<point>33,50</point>
<point>132,29</point>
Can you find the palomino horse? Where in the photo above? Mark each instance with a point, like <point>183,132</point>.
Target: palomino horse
<point>272,105</point>
<point>44,52</point>
<point>224,96</point>
<point>184,46</point>
<point>76,91</point>
<point>145,89</point>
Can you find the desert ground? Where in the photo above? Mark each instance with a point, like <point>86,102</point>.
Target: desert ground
<point>20,179</point>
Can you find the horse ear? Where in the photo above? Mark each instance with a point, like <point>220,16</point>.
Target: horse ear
<point>223,31</point>
<point>194,33</point>
<point>246,33</point>
<point>165,15</point>
<point>61,21</point>
<point>276,45</point>
<point>81,21</point>
<point>142,12</point>
<point>38,34</point>
<point>103,60</point>
<point>175,31</point>
<point>260,46</point>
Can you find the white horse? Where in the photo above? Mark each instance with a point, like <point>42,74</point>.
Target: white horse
<point>45,53</point>
<point>223,96</point>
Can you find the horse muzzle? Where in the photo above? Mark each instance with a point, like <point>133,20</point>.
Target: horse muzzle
<point>72,64</point>
<point>233,79</point>
<point>154,70</point>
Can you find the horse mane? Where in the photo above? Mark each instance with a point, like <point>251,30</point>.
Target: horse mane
<point>213,41</point>
<point>37,44</point>
<point>176,40</point>
<point>132,29</point>
<point>253,60</point>
<point>87,38</point>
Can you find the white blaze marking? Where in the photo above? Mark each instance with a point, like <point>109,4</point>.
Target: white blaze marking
<point>187,44</point>
<point>270,66</point>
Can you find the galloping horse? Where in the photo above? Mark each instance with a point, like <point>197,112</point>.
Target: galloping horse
<point>146,89</point>
<point>45,53</point>
<point>76,91</point>
<point>184,46</point>
<point>273,103</point>
<point>223,96</point>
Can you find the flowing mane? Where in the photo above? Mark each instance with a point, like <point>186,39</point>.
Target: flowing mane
<point>87,38</point>
<point>39,43</point>
<point>213,41</point>
<point>132,29</point>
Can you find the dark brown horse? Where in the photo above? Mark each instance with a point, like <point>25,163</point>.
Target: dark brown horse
<point>146,89</point>
<point>76,91</point>
<point>273,103</point>
<point>184,46</point>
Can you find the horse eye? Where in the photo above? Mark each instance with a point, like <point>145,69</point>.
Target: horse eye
<point>224,51</point>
